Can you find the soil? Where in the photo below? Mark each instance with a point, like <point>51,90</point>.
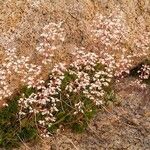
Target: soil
<point>122,127</point>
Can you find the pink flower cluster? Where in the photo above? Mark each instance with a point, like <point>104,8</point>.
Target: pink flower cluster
<point>92,77</point>
<point>18,67</point>
<point>22,67</point>
<point>90,80</point>
<point>52,37</point>
<point>110,32</point>
<point>91,74</point>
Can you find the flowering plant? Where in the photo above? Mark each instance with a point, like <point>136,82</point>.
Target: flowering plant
<point>74,91</point>
<point>142,72</point>
<point>69,91</point>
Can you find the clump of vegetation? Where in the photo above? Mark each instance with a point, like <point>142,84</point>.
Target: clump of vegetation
<point>70,95</point>
<point>12,132</point>
<point>73,93</point>
<point>68,99</point>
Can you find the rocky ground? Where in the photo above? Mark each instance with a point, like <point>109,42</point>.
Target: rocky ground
<point>122,127</point>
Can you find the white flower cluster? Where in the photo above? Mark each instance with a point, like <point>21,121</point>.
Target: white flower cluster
<point>22,68</point>
<point>90,80</point>
<point>18,66</point>
<point>110,31</point>
<point>144,72</point>
<point>123,66</point>
<point>92,77</point>
<point>144,75</point>
<point>44,101</point>
<point>120,66</point>
<point>79,107</point>
<point>52,37</point>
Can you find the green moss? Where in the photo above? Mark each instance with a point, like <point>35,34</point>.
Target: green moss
<point>8,125</point>
<point>28,133</point>
<point>79,127</point>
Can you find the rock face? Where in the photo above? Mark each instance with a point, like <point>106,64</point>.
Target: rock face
<point>22,22</point>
